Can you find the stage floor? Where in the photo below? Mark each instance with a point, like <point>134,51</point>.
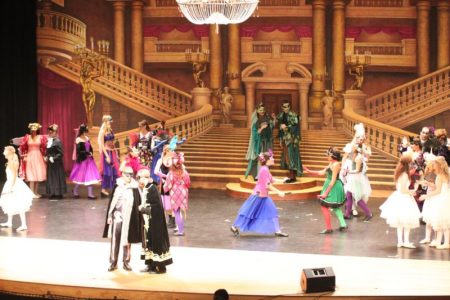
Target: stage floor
<point>63,246</point>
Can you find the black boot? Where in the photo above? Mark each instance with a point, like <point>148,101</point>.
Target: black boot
<point>171,223</point>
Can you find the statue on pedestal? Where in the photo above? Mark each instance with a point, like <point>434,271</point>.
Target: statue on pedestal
<point>357,71</point>
<point>327,109</point>
<point>198,68</point>
<point>226,101</point>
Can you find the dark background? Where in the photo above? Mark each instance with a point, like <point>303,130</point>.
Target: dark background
<point>18,84</point>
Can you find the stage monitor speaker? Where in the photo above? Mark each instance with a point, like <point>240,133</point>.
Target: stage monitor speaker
<point>318,280</point>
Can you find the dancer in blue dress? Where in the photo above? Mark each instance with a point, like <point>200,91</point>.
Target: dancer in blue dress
<point>259,213</point>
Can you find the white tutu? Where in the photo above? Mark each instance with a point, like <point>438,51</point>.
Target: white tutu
<point>400,210</point>
<point>18,199</point>
<point>440,210</point>
<point>428,209</point>
<point>358,184</point>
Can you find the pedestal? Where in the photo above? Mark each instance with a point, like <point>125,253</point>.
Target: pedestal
<point>355,99</point>
<point>200,97</point>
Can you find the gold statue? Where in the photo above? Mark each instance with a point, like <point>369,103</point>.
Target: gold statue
<point>226,101</point>
<point>357,71</point>
<point>327,106</point>
<point>87,74</point>
<point>198,68</point>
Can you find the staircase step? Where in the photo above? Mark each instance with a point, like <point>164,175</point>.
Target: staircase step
<point>235,190</point>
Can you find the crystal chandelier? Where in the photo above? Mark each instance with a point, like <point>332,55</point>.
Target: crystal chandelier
<point>217,11</point>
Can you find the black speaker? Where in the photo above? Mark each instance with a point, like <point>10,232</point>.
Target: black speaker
<point>318,280</point>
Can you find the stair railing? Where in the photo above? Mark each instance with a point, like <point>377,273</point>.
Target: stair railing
<point>380,136</point>
<point>413,97</point>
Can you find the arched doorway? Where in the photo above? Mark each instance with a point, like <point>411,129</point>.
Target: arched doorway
<point>273,83</point>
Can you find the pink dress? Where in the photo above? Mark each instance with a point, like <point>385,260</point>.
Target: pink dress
<point>36,169</point>
<point>178,187</point>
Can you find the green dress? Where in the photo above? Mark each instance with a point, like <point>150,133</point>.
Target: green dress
<point>336,197</point>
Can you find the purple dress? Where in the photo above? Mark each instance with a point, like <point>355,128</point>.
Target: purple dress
<point>259,213</point>
<point>110,171</point>
<point>84,170</point>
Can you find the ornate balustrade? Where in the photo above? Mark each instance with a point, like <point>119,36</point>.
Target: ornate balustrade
<point>379,3</point>
<point>402,54</point>
<point>380,136</point>
<point>156,50</point>
<point>294,51</point>
<point>57,34</point>
<point>133,89</point>
<point>189,126</point>
<point>281,2</point>
<point>413,101</point>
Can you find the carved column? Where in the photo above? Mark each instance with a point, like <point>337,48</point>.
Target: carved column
<point>303,104</point>
<point>250,101</point>
<point>319,52</point>
<point>423,40</point>
<point>119,31</point>
<point>234,58</point>
<point>443,51</point>
<point>215,63</point>
<point>137,36</point>
<point>339,46</point>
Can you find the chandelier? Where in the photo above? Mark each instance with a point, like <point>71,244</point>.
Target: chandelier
<point>217,11</point>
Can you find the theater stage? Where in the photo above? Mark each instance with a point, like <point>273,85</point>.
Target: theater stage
<point>63,254</point>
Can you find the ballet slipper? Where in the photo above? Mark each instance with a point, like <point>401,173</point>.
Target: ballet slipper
<point>424,241</point>
<point>22,228</point>
<point>409,245</point>
<point>443,246</point>
<point>433,243</point>
<point>399,245</point>
<point>6,224</point>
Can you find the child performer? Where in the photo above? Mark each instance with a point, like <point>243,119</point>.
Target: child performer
<point>259,213</point>
<point>357,185</point>
<point>16,196</point>
<point>162,169</point>
<point>32,152</point>
<point>332,194</point>
<point>427,210</point>
<point>440,215</point>
<point>84,170</point>
<point>56,178</point>
<point>108,155</point>
<point>178,183</point>
<point>400,209</point>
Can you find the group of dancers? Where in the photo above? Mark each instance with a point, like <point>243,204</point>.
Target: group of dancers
<point>151,182</point>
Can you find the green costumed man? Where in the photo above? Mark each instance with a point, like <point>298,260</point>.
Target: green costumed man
<point>289,125</point>
<point>261,139</point>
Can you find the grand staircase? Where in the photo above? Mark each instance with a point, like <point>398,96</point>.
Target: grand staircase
<point>216,160</point>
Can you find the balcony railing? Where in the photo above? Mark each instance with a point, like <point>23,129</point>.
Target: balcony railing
<point>295,51</point>
<point>156,50</point>
<point>380,3</point>
<point>402,54</point>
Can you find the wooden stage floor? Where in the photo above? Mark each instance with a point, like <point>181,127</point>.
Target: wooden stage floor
<point>78,269</point>
<point>63,253</point>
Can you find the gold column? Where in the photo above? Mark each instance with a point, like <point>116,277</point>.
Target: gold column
<point>234,58</point>
<point>119,31</point>
<point>319,52</point>
<point>215,63</point>
<point>250,100</point>
<point>339,46</point>
<point>137,37</point>
<point>423,41</point>
<point>304,89</point>
<point>443,48</point>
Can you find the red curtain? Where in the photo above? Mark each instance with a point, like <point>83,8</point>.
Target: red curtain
<point>406,32</point>
<point>155,30</point>
<point>59,102</point>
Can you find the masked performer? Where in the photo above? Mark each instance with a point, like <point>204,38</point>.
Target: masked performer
<point>123,220</point>
<point>288,122</point>
<point>261,139</point>
<point>56,178</point>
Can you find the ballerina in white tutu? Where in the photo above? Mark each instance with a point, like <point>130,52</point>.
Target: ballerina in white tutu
<point>16,196</point>
<point>439,216</point>
<point>400,209</point>
<point>429,183</point>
